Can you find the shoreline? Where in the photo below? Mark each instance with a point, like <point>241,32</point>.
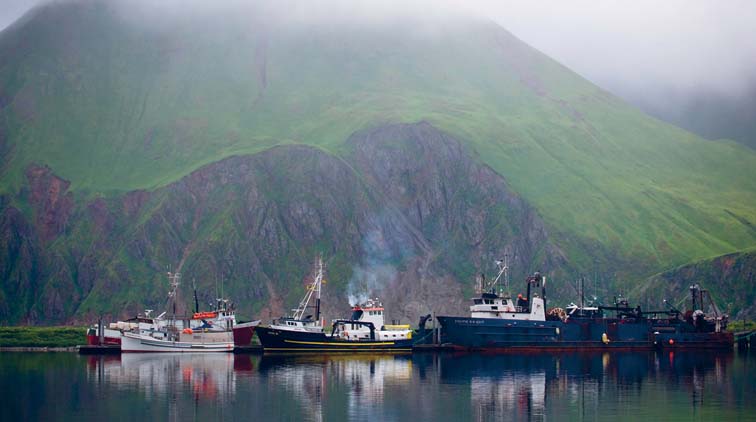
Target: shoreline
<point>37,349</point>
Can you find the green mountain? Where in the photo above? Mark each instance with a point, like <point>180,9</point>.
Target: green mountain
<point>102,102</point>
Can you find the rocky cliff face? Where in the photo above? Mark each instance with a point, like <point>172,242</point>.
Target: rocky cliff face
<point>731,280</point>
<point>452,199</point>
<point>406,214</point>
<point>463,214</point>
<point>19,264</point>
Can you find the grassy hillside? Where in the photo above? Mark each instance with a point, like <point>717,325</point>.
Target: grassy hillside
<point>114,100</point>
<point>42,336</point>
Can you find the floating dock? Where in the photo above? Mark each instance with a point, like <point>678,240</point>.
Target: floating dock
<point>99,350</point>
<point>746,339</point>
<point>423,348</point>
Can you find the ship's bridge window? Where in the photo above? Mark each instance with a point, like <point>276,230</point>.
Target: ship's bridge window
<point>488,301</point>
<point>477,301</point>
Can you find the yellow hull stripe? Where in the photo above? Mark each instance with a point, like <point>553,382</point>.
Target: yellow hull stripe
<point>289,349</point>
<point>318,343</point>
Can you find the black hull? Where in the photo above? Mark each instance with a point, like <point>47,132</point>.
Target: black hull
<point>275,340</point>
<point>695,341</point>
<point>498,335</point>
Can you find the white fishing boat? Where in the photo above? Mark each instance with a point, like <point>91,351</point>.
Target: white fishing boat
<point>111,332</point>
<point>180,342</point>
<point>203,332</point>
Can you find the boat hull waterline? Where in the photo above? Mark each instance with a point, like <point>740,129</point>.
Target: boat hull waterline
<point>136,343</point>
<point>487,334</point>
<point>275,340</point>
<point>244,332</point>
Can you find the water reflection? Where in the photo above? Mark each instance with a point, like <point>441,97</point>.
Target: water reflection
<point>205,376</point>
<point>513,394</point>
<point>584,385</point>
<point>309,378</point>
<point>417,387</point>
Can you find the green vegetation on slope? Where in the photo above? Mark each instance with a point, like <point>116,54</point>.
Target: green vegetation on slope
<point>729,278</point>
<point>42,336</point>
<point>114,104</point>
<point>741,325</point>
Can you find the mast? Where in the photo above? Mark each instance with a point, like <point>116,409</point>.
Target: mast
<point>503,267</point>
<point>173,279</point>
<point>313,289</point>
<point>582,292</point>
<point>543,291</point>
<point>506,274</point>
<point>319,284</point>
<point>196,302</point>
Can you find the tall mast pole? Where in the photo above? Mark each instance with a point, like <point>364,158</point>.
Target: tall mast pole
<point>318,286</point>
<point>173,279</point>
<point>506,273</point>
<point>582,293</point>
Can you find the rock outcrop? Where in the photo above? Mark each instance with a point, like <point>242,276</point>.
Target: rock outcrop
<point>730,279</point>
<point>406,214</point>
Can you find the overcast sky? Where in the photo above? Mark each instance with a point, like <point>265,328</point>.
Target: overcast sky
<point>629,47</point>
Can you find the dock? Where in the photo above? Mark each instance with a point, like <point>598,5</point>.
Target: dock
<point>746,339</point>
<point>428,348</point>
<point>99,350</point>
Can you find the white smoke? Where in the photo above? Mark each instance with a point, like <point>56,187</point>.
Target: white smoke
<point>369,281</point>
<point>375,272</point>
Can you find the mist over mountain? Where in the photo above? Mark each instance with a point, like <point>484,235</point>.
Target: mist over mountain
<point>711,114</point>
<point>239,141</point>
<point>690,63</point>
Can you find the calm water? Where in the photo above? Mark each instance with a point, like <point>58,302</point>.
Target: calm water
<point>426,387</point>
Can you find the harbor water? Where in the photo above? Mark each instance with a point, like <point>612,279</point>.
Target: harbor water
<point>421,387</point>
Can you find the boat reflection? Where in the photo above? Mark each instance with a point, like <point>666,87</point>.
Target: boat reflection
<point>460,386</point>
<point>310,379</point>
<point>531,386</point>
<point>205,376</point>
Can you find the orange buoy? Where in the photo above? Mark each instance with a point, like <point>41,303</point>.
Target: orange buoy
<point>671,341</point>
<point>187,331</point>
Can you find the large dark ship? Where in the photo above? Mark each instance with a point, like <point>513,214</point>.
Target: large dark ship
<point>364,331</point>
<point>498,323</point>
